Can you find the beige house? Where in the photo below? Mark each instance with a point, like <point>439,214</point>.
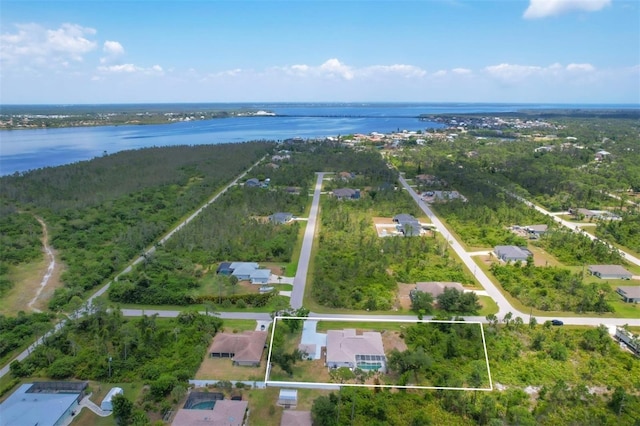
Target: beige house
<point>346,348</point>
<point>243,348</point>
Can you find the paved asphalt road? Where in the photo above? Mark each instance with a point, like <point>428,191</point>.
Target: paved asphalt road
<point>574,227</point>
<point>300,281</point>
<point>503,304</point>
<point>4,370</point>
<point>301,274</point>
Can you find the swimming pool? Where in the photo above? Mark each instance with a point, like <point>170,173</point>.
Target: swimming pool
<point>204,405</point>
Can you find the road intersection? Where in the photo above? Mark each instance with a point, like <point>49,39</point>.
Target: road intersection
<point>299,282</point>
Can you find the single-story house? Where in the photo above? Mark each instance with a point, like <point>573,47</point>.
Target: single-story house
<point>427,179</point>
<point>280,217</point>
<point>296,418</point>
<point>411,229</point>
<point>346,175</point>
<point>243,348</point>
<point>260,276</point>
<point>536,230</point>
<point>448,195</point>
<point>512,253</point>
<point>435,288</point>
<point>106,404</point>
<point>288,398</point>
<point>42,403</point>
<point>224,268</point>
<point>224,412</point>
<point>346,193</point>
<point>610,272</point>
<point>243,270</point>
<point>403,218</point>
<point>345,348</point>
<point>630,294</point>
<point>252,183</point>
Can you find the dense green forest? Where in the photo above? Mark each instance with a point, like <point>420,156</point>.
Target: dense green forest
<point>441,354</point>
<point>24,328</point>
<point>576,249</point>
<point>625,232</point>
<point>553,288</point>
<point>20,242</point>
<point>236,228</point>
<point>545,377</point>
<point>103,346</point>
<point>104,212</point>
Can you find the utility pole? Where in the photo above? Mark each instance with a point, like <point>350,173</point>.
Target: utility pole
<point>110,366</point>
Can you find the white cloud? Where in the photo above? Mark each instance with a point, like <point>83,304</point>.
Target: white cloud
<point>34,45</point>
<point>461,71</point>
<point>514,73</point>
<point>545,8</point>
<point>403,70</point>
<point>333,68</point>
<point>113,48</point>
<point>130,68</point>
<point>581,67</point>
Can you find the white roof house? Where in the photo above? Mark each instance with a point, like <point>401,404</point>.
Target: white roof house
<point>345,348</point>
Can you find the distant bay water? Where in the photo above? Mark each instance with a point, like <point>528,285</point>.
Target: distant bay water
<point>24,150</point>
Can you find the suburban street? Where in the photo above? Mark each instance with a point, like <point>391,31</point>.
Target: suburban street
<point>574,227</point>
<point>503,304</point>
<point>300,281</point>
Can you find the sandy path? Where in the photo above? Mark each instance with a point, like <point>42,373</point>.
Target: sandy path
<point>52,263</point>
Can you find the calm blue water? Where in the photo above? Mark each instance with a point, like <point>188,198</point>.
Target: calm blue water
<point>23,150</point>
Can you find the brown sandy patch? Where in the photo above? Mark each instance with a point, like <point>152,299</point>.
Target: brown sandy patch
<point>403,299</point>
<point>392,340</point>
<point>383,221</point>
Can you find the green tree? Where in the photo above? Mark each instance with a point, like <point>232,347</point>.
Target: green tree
<point>422,302</point>
<point>122,410</point>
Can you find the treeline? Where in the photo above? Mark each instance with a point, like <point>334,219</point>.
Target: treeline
<point>552,288</point>
<point>308,158</point>
<point>104,212</point>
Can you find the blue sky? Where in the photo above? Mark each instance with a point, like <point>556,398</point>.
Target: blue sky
<point>558,51</point>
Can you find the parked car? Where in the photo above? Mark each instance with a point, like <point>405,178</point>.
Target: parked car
<point>556,322</point>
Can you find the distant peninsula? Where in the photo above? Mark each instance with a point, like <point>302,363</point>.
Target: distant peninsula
<point>16,117</point>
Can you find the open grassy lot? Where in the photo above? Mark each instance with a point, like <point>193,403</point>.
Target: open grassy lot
<point>265,412</point>
<point>27,278</point>
<point>223,369</point>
